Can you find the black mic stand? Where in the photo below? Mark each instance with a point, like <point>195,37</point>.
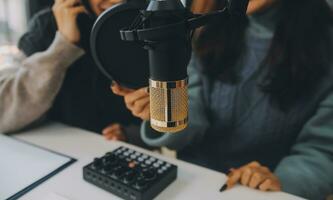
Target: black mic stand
<point>165,29</point>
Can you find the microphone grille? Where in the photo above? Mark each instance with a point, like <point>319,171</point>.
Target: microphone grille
<point>168,105</point>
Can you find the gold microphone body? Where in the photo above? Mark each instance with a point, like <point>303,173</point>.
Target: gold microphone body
<point>168,105</point>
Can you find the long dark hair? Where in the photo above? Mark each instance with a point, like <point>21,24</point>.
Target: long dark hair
<point>298,58</point>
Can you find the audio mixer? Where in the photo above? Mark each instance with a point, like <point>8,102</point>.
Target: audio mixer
<point>129,174</point>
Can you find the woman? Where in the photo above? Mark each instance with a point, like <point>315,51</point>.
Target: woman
<point>28,89</point>
<point>84,99</point>
<point>261,101</point>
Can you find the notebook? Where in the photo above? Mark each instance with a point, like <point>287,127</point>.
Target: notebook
<point>24,166</point>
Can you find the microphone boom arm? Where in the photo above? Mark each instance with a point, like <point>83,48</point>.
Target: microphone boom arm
<point>165,28</point>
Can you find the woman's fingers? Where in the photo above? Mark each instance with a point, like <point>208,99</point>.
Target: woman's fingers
<point>270,185</point>
<point>253,164</point>
<point>145,114</point>
<point>57,2</point>
<point>137,101</point>
<point>114,132</point>
<point>119,90</point>
<point>78,10</point>
<point>112,127</point>
<point>131,98</point>
<point>256,179</point>
<point>247,172</point>
<point>265,186</point>
<point>70,3</point>
<point>254,176</point>
<point>140,105</point>
<point>258,5</point>
<point>234,177</point>
<point>245,179</point>
<point>65,13</point>
<point>117,136</point>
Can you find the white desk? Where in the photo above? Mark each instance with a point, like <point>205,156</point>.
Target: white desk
<point>193,182</point>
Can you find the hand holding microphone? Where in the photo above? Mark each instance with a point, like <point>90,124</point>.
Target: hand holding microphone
<point>137,101</point>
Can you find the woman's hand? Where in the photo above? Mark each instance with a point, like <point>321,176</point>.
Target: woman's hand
<point>137,101</point>
<point>114,132</point>
<point>258,5</point>
<point>66,12</point>
<point>254,176</point>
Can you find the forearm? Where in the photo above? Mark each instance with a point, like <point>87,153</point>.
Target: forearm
<point>177,141</point>
<point>307,171</point>
<point>306,176</point>
<point>28,91</point>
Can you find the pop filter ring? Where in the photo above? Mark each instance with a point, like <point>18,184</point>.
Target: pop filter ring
<point>100,22</point>
<point>150,34</point>
<point>236,8</point>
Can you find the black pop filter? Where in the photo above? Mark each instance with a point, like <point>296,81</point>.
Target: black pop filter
<point>121,61</point>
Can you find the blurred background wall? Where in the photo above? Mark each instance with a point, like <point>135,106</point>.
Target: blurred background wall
<point>13,20</point>
<point>14,17</point>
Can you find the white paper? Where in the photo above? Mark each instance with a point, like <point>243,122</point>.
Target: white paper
<point>54,196</point>
<point>22,164</point>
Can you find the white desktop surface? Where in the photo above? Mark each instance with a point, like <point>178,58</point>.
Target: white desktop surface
<point>193,182</point>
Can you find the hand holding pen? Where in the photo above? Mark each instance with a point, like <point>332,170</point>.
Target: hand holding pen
<point>253,175</point>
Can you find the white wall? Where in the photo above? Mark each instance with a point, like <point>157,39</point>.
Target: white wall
<point>13,20</point>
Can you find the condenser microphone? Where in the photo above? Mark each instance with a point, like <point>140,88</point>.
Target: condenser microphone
<point>165,29</point>
<point>168,59</point>
<point>169,51</point>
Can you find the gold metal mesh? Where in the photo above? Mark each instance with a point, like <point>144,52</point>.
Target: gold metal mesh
<point>169,129</point>
<point>168,106</point>
<point>157,102</point>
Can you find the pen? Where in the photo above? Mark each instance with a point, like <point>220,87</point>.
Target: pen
<point>224,187</point>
